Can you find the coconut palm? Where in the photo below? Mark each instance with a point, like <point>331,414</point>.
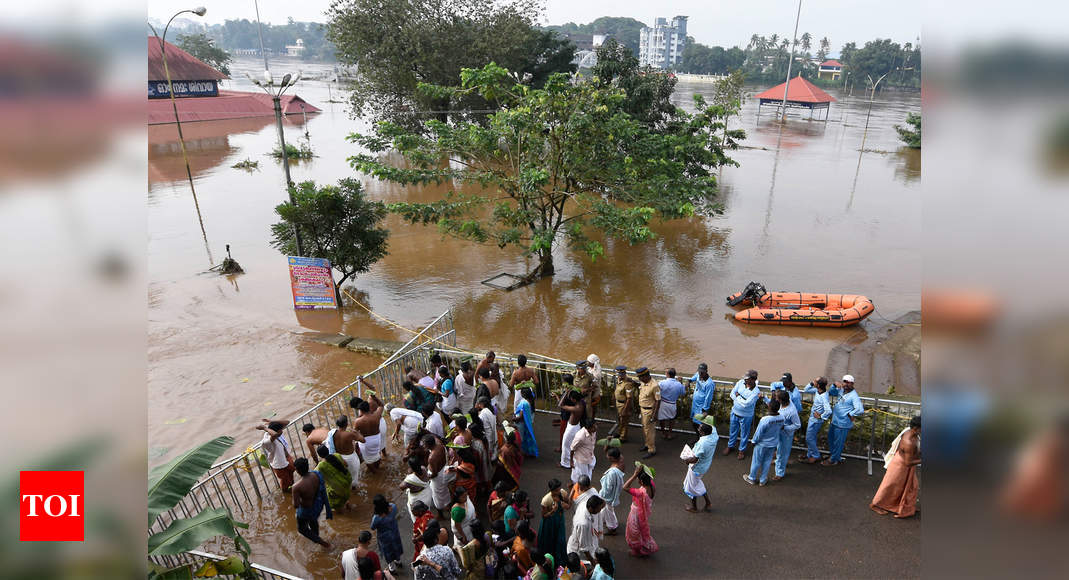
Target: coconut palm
<point>806,40</point>
<point>754,40</point>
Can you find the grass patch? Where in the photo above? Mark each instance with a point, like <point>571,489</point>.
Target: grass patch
<point>294,152</point>
<point>247,165</point>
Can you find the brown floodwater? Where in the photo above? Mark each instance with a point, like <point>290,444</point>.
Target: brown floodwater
<point>807,210</point>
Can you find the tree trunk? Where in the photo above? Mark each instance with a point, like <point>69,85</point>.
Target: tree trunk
<point>545,264</point>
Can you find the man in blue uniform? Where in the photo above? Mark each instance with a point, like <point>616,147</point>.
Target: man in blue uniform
<point>704,450</point>
<point>844,414</point>
<point>819,413</point>
<point>702,399</point>
<point>744,395</point>
<point>791,424</point>
<point>766,439</point>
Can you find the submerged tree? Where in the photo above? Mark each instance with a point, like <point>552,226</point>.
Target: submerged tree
<point>555,165</point>
<point>911,136</point>
<point>337,222</point>
<point>203,48</point>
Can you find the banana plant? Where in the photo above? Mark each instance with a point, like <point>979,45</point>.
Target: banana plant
<point>167,485</point>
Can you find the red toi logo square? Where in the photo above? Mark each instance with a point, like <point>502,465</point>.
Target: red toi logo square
<point>51,506</point>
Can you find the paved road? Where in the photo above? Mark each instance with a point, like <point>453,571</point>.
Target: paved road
<point>814,522</point>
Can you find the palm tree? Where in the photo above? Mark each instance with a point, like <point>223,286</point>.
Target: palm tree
<point>754,40</point>
<point>806,40</point>
<point>773,40</point>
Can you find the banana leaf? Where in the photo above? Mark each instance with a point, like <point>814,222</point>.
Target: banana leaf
<point>609,442</point>
<point>168,484</point>
<point>189,533</point>
<point>649,470</point>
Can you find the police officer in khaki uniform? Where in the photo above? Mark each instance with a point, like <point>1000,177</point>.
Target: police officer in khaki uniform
<point>585,383</point>
<point>649,401</point>
<point>625,400</point>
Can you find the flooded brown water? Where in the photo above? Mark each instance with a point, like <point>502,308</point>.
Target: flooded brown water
<point>806,210</point>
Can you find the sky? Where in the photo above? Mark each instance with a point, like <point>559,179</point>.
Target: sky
<point>712,22</point>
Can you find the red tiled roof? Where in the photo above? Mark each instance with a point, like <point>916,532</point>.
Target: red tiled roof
<point>182,65</point>
<point>800,91</point>
<point>228,105</point>
<point>831,63</point>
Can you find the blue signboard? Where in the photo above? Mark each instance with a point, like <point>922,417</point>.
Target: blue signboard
<point>158,89</point>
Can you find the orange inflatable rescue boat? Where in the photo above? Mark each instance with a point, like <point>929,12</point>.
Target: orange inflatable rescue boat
<point>799,308</point>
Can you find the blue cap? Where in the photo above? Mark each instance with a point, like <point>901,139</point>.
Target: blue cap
<point>641,370</point>
<point>621,368</point>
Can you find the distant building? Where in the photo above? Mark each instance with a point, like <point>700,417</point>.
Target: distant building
<point>662,46</point>
<point>599,39</point>
<point>830,70</point>
<point>295,49</point>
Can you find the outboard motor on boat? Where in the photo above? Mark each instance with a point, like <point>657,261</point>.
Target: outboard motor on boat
<point>753,292</point>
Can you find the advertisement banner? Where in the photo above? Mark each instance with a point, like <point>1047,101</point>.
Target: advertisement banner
<point>312,283</point>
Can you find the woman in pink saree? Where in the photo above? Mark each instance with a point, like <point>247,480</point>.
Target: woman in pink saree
<point>638,521</point>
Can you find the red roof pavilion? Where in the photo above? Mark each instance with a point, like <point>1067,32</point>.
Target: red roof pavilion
<point>831,63</point>
<point>801,93</point>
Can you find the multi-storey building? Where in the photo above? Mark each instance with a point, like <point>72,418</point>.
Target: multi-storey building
<point>662,46</point>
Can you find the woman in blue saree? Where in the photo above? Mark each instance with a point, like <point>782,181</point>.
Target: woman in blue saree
<point>525,418</point>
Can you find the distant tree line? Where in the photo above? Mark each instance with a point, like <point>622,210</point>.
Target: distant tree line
<point>624,30</point>
<point>765,60</point>
<point>242,35</point>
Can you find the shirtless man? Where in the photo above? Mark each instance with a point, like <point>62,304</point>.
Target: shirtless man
<point>314,437</point>
<point>521,374</point>
<point>384,428</point>
<point>368,424</point>
<point>436,462</point>
<point>344,442</point>
<point>486,362</point>
<point>310,498</point>
<point>488,387</point>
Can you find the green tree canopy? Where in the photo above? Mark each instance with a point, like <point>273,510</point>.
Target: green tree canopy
<point>911,135</point>
<point>398,44</point>
<point>554,165</point>
<point>336,222</point>
<point>647,91</point>
<point>201,46</point>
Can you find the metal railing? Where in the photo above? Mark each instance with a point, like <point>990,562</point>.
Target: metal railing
<point>197,558</point>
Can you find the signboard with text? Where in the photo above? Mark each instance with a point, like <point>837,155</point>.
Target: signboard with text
<point>158,89</point>
<point>312,282</point>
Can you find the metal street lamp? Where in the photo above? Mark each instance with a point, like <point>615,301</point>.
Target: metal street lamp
<point>268,86</point>
<point>199,11</point>
<point>872,95</point>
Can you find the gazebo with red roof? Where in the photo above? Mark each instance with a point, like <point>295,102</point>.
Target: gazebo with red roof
<point>801,94</point>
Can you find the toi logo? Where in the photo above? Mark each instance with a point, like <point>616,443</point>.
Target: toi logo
<point>51,506</point>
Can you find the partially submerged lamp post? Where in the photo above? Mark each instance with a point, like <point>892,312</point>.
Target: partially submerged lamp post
<point>268,86</point>
<point>790,61</point>
<point>199,11</point>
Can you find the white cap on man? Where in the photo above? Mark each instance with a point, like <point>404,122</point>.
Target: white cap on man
<point>848,378</point>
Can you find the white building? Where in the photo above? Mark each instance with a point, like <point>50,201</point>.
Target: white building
<point>295,49</point>
<point>662,46</point>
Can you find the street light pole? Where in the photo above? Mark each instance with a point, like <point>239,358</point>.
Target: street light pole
<point>276,98</point>
<point>199,11</point>
<point>260,33</point>
<point>794,40</point>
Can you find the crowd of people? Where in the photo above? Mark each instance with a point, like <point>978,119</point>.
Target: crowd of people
<point>465,451</point>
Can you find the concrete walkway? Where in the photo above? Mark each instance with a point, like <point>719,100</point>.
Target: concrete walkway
<point>813,523</point>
